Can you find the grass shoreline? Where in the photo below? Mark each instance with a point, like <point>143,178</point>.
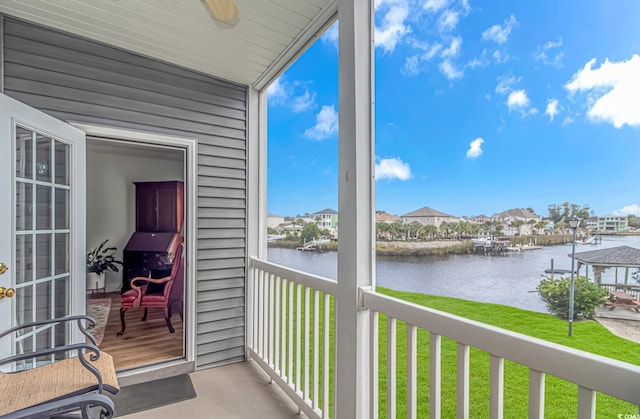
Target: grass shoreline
<point>435,247</point>
<point>561,396</point>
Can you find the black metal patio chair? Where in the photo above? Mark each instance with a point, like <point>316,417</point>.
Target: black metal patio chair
<point>70,387</point>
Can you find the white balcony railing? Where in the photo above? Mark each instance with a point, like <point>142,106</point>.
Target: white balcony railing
<point>288,337</point>
<point>284,319</point>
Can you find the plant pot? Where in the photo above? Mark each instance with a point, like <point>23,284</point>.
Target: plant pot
<point>95,281</point>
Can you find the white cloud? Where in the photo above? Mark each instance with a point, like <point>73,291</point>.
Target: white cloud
<point>613,91</point>
<point>326,124</point>
<point>277,92</point>
<point>500,57</point>
<point>553,108</point>
<point>450,71</point>
<point>548,53</point>
<point>429,50</point>
<point>433,6</point>
<point>393,168</point>
<point>481,61</point>
<point>553,44</point>
<point>506,83</point>
<point>633,209</point>
<point>448,20</point>
<point>500,34</point>
<point>519,101</point>
<point>331,34</point>
<point>475,148</point>
<point>391,28</point>
<point>568,120</point>
<point>411,66</point>
<point>454,48</point>
<point>304,102</point>
<point>291,94</point>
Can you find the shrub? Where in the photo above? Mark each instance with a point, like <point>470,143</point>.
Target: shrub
<point>555,293</point>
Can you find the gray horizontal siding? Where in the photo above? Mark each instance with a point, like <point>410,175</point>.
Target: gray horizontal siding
<point>76,79</point>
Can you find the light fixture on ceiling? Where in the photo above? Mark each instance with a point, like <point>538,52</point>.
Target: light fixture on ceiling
<point>224,10</point>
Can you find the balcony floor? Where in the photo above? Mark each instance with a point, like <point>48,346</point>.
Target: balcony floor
<point>240,390</point>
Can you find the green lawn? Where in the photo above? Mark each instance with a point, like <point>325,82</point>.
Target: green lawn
<point>561,396</point>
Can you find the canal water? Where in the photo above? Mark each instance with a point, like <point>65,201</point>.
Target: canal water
<point>509,279</point>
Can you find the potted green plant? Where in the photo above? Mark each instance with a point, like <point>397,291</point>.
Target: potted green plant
<point>100,260</point>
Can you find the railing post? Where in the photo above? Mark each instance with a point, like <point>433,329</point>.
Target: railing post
<point>356,243</point>
<point>536,394</point>
<point>496,383</point>
<point>256,198</point>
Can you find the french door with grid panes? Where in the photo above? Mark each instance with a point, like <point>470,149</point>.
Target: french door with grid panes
<point>42,227</point>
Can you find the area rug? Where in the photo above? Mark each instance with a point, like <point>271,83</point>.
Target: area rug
<point>98,308</point>
<point>145,396</point>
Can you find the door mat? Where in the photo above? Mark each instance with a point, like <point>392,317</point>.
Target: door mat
<point>145,396</point>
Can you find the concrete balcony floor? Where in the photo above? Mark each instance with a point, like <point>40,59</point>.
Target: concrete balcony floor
<point>240,390</point>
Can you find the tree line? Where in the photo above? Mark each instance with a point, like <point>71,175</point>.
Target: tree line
<point>453,231</point>
<point>557,213</point>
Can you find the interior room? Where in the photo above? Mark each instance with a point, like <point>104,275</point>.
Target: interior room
<point>122,208</point>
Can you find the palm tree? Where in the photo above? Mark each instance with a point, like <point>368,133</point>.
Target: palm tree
<point>444,229</point>
<point>431,231</point>
<point>394,231</point>
<point>517,224</point>
<point>540,225</point>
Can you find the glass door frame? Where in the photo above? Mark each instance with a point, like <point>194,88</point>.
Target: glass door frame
<point>17,114</point>
<point>190,145</point>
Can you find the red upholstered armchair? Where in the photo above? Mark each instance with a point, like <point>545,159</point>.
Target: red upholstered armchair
<point>137,296</point>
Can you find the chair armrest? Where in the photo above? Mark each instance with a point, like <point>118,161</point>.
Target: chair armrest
<point>90,324</point>
<point>159,280</point>
<point>78,347</point>
<point>154,280</point>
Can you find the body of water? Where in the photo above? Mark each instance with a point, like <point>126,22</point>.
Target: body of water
<point>509,279</point>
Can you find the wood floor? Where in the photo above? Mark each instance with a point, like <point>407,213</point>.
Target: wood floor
<point>144,342</point>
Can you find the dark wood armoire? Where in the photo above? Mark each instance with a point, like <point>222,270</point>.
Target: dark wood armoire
<point>159,206</point>
<point>159,221</point>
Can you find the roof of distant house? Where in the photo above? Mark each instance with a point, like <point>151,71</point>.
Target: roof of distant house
<point>480,217</point>
<point>275,215</point>
<point>516,212</point>
<point>326,211</point>
<point>385,216</point>
<point>426,212</point>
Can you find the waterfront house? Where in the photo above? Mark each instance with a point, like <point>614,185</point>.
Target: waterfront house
<point>385,217</point>
<point>611,223</point>
<point>524,219</point>
<point>428,216</point>
<point>327,219</point>
<point>478,219</point>
<point>274,220</point>
<point>163,75</point>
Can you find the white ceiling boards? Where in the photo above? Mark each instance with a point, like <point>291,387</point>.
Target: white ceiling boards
<point>251,49</point>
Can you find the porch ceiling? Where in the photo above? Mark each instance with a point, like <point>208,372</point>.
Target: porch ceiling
<point>253,51</point>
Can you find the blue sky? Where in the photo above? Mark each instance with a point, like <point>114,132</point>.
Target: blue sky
<point>481,106</point>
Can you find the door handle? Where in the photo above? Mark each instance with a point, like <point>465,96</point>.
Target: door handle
<point>7,292</point>
<point>3,268</point>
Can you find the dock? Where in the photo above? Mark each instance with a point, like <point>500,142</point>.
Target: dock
<point>491,246</point>
<point>314,245</point>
